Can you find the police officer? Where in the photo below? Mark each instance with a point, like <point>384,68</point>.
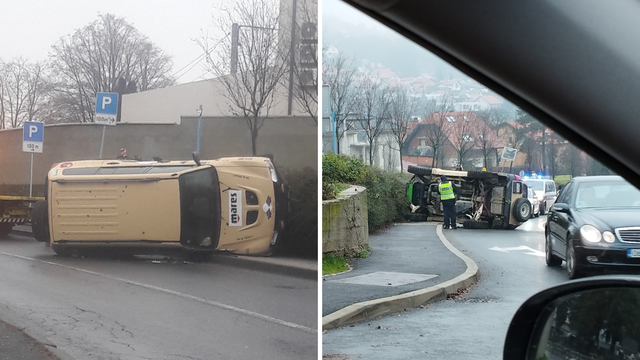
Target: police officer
<point>447,192</point>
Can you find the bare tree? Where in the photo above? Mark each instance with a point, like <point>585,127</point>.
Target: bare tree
<point>305,69</point>
<point>23,88</point>
<point>339,74</point>
<point>251,68</point>
<point>463,136</point>
<point>109,55</point>
<point>494,116</point>
<point>372,103</point>
<point>574,160</point>
<point>487,141</point>
<point>555,144</point>
<point>438,135</point>
<point>401,108</point>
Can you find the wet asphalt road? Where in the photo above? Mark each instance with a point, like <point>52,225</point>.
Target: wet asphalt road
<point>132,308</point>
<point>512,268</point>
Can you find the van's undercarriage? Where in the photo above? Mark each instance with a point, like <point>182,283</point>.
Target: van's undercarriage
<point>483,200</point>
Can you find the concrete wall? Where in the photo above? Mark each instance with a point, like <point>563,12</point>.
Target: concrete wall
<point>168,105</point>
<point>293,141</point>
<point>345,229</point>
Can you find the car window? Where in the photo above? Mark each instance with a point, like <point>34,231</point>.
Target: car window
<point>607,194</point>
<point>550,186</point>
<point>566,194</point>
<point>536,185</point>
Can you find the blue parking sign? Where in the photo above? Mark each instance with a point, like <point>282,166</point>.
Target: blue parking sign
<point>106,108</point>
<point>32,137</point>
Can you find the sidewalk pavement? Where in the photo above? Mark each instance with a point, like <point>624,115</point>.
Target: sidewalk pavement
<point>410,265</point>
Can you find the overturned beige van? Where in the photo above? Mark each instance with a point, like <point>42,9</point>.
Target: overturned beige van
<point>235,204</point>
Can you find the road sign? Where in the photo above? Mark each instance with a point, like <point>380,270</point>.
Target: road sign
<point>106,109</point>
<point>509,154</point>
<point>33,137</point>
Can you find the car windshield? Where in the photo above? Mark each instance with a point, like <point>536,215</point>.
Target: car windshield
<point>536,185</point>
<point>610,194</point>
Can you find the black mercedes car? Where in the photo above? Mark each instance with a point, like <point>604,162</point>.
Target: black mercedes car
<point>594,223</point>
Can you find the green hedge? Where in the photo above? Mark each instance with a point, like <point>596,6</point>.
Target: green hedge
<point>301,231</point>
<point>385,190</point>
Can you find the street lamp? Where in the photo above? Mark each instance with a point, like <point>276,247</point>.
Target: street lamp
<point>199,112</point>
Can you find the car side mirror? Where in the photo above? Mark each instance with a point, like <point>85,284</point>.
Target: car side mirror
<point>196,157</point>
<point>560,207</point>
<point>578,320</point>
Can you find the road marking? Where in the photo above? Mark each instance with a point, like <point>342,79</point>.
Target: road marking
<point>385,278</point>
<point>179,294</point>
<point>520,248</point>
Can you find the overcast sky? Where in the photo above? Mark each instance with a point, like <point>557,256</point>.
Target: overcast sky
<point>29,28</point>
<point>341,10</point>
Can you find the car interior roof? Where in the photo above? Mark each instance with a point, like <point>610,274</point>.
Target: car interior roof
<point>573,65</point>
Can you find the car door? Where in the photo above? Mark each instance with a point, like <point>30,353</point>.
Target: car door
<point>560,221</point>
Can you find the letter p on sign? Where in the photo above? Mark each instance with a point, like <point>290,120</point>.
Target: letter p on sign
<point>32,130</point>
<point>105,101</point>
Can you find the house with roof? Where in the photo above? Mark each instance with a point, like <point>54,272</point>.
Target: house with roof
<point>453,138</point>
<point>475,100</point>
<point>386,75</point>
<point>450,84</point>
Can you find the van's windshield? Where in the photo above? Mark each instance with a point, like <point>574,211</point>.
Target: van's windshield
<point>200,208</point>
<point>536,185</point>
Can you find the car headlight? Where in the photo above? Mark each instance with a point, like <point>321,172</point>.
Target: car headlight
<point>590,234</point>
<point>272,170</point>
<point>608,237</point>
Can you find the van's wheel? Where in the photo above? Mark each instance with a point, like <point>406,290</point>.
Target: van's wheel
<point>416,217</point>
<point>522,210</point>
<point>475,224</point>
<point>419,170</point>
<point>543,208</point>
<point>40,221</point>
<point>5,229</point>
<point>475,174</point>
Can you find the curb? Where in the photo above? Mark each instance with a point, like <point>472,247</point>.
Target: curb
<point>22,232</point>
<point>268,264</point>
<point>276,265</point>
<point>368,310</point>
<point>36,335</point>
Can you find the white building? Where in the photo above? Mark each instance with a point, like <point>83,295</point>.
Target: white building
<point>355,143</point>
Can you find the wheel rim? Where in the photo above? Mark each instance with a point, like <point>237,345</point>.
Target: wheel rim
<point>570,260</point>
<point>524,211</point>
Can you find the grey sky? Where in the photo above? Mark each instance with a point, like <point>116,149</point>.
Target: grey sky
<point>339,9</point>
<point>30,27</point>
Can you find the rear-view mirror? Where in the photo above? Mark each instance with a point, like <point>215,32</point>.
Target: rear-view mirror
<point>595,318</point>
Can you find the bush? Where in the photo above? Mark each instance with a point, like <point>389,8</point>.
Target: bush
<point>331,190</point>
<point>385,190</point>
<point>301,231</point>
<point>386,198</point>
<point>343,169</point>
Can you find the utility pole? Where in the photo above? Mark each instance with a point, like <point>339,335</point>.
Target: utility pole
<point>235,34</point>
<point>292,55</point>
<point>199,111</point>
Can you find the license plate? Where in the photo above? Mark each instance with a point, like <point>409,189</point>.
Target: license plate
<point>633,253</point>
